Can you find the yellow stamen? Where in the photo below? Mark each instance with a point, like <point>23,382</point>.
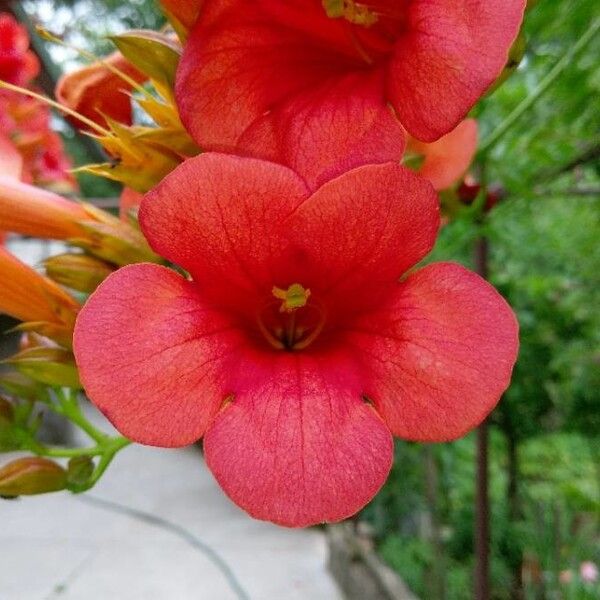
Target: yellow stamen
<point>352,11</point>
<point>293,298</point>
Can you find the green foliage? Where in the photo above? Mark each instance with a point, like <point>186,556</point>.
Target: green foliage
<point>545,259</point>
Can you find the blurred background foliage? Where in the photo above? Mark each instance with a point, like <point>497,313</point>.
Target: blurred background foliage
<point>545,259</point>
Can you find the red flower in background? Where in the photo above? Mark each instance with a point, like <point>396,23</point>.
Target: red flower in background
<point>24,121</point>
<point>323,85</point>
<point>96,91</point>
<point>294,349</point>
<point>18,64</point>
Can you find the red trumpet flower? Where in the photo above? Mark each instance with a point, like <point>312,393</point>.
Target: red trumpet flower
<point>97,92</point>
<point>294,349</point>
<point>323,85</point>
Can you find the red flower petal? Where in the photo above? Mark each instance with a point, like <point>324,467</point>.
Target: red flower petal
<point>447,160</point>
<point>157,376</point>
<point>185,11</point>
<point>288,91</point>
<point>298,446</point>
<point>441,354</point>
<point>451,53</point>
<point>365,229</point>
<point>220,217</point>
<point>324,132</point>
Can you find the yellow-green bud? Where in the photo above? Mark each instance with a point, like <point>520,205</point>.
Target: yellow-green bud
<point>77,271</point>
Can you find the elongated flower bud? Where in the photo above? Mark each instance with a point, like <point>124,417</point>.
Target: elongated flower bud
<point>48,365</point>
<point>28,296</point>
<point>30,476</point>
<point>32,211</point>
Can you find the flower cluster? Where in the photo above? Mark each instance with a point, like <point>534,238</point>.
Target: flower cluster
<point>25,130</point>
<point>296,334</point>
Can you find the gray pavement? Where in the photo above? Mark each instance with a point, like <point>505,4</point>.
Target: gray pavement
<point>64,547</point>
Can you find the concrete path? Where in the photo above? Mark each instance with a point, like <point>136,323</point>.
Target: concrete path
<point>62,547</point>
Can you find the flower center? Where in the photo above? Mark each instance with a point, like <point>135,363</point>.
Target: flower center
<point>354,12</point>
<point>293,320</point>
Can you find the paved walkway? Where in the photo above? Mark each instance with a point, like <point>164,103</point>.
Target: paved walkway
<point>64,547</point>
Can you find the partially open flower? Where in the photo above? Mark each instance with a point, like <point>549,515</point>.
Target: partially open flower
<point>96,91</point>
<point>323,85</point>
<point>294,349</point>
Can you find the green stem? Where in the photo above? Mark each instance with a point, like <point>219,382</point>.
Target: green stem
<point>108,454</point>
<point>68,406</point>
<point>546,82</point>
<point>56,452</point>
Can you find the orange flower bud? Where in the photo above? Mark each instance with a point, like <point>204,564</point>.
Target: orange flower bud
<point>96,91</point>
<point>32,211</point>
<point>28,296</point>
<point>30,476</point>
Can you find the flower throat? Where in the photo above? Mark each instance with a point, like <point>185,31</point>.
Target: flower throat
<point>354,12</point>
<point>292,320</point>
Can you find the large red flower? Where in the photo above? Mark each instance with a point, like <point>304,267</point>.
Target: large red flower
<point>319,85</point>
<point>294,349</point>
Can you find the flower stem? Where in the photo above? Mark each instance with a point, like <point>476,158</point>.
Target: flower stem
<point>68,406</point>
<point>57,452</point>
<point>544,84</point>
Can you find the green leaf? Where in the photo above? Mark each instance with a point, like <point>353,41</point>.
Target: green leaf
<point>151,52</point>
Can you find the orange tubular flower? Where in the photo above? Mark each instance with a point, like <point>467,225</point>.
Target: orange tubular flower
<point>32,211</point>
<point>30,297</point>
<point>447,159</point>
<point>97,92</point>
